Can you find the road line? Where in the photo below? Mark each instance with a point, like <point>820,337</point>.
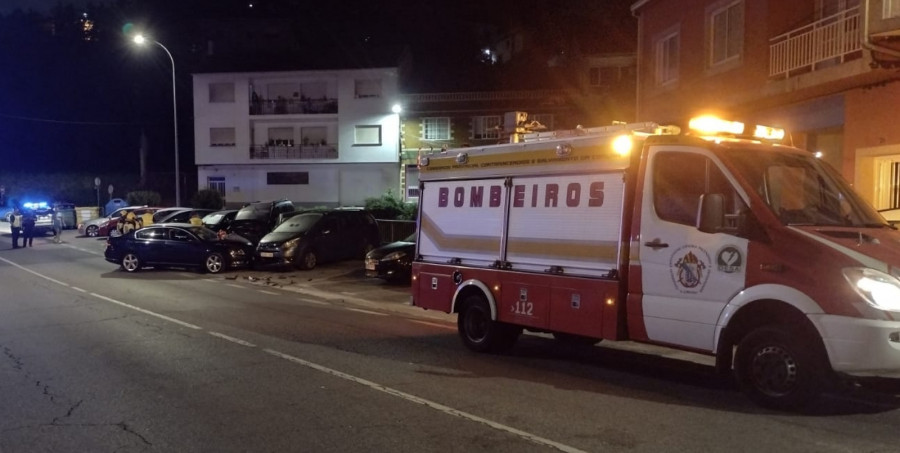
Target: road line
<point>428,403</point>
<point>79,289</point>
<point>147,312</point>
<point>273,293</point>
<point>310,301</point>
<point>434,324</point>
<point>35,273</point>
<point>234,285</point>
<point>359,310</point>
<point>231,339</point>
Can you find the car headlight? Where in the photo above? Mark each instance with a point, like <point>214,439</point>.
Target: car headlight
<point>236,253</point>
<point>394,256</point>
<point>879,289</point>
<point>290,247</point>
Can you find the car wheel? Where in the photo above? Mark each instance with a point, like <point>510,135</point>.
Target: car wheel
<point>779,368</point>
<point>92,231</point>
<point>479,332</point>
<point>214,263</point>
<point>131,262</point>
<point>308,259</point>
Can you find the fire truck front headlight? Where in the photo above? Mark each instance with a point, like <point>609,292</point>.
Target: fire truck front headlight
<point>879,289</point>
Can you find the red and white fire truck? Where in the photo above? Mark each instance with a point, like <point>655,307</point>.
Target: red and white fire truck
<point>706,240</point>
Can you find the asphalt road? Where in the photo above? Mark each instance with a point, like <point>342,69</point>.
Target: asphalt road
<point>94,359</point>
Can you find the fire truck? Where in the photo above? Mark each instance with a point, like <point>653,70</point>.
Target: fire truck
<point>717,239</point>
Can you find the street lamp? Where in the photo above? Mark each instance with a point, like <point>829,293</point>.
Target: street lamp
<point>141,40</point>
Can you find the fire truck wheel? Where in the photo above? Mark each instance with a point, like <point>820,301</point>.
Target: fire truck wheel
<point>479,332</point>
<point>778,369</point>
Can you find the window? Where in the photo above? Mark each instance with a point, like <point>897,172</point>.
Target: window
<point>221,92</point>
<point>486,127</point>
<point>287,178</point>
<point>436,128</point>
<point>667,59</point>
<point>726,33</point>
<point>216,183</point>
<point>281,136</point>
<point>412,182</point>
<point>679,179</point>
<point>367,135</point>
<point>316,135</point>
<point>891,9</point>
<point>221,136</point>
<point>368,88</point>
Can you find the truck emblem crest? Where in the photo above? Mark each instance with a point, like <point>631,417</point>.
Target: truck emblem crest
<point>690,269</point>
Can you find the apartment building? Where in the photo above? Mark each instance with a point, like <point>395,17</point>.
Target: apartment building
<point>823,69</point>
<point>318,138</point>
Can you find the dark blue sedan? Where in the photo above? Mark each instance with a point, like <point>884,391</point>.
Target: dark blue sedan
<point>178,245</point>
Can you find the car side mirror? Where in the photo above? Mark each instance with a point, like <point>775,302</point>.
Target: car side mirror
<point>711,217</point>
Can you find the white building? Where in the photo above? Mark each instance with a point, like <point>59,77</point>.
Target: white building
<point>318,138</point>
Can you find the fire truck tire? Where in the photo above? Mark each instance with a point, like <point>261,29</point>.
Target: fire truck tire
<point>780,369</point>
<point>479,332</point>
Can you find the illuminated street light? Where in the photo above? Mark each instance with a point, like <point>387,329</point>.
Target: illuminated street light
<point>141,40</point>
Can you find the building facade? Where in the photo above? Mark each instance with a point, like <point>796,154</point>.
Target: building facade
<point>822,69</point>
<point>318,138</point>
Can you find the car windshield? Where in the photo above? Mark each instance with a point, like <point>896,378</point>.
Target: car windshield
<point>803,190</point>
<point>212,219</point>
<point>298,223</point>
<point>253,212</point>
<point>205,234</point>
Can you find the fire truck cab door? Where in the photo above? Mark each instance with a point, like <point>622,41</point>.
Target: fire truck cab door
<point>687,276</point>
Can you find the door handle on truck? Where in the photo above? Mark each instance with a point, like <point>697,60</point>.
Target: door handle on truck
<point>656,244</point>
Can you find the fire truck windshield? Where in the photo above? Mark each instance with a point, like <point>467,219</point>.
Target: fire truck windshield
<point>803,190</point>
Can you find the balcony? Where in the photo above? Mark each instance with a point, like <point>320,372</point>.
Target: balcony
<point>293,152</point>
<point>822,44</point>
<point>302,106</point>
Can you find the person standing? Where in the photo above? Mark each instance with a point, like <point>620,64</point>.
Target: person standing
<point>28,220</point>
<point>15,226</point>
<point>57,226</point>
<point>196,220</point>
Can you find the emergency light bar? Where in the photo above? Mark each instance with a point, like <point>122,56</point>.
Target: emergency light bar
<point>713,126</point>
<point>39,205</point>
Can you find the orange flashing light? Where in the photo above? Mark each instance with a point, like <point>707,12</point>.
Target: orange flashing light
<point>711,125</point>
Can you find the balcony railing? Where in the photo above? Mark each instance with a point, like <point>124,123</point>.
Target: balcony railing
<point>832,40</point>
<point>293,152</point>
<point>302,106</point>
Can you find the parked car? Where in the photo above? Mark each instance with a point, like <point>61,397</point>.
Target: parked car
<point>315,236</point>
<point>392,262</point>
<point>219,220</point>
<point>43,216</point>
<point>255,220</point>
<point>102,226</point>
<point>184,215</point>
<point>162,213</point>
<point>178,245</point>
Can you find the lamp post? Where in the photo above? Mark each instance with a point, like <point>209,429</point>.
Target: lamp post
<point>141,40</point>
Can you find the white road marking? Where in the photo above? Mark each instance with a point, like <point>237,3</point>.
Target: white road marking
<point>310,301</point>
<point>428,403</point>
<point>359,310</point>
<point>232,339</point>
<point>372,385</point>
<point>236,286</point>
<point>273,293</point>
<point>434,324</point>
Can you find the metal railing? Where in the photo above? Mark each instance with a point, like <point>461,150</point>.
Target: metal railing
<point>481,96</point>
<point>293,106</point>
<point>293,152</point>
<point>395,230</point>
<point>835,38</point>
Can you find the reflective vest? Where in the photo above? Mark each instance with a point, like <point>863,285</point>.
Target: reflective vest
<point>17,221</point>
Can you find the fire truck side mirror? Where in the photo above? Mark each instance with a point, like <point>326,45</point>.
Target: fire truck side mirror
<point>711,217</point>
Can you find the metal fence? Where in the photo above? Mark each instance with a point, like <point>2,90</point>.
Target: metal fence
<point>834,38</point>
<point>395,230</point>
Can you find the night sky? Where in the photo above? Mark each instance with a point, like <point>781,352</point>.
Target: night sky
<point>71,105</point>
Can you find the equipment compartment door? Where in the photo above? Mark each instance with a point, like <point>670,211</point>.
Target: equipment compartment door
<point>687,276</point>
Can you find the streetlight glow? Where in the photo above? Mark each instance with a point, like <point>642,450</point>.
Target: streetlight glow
<point>141,40</point>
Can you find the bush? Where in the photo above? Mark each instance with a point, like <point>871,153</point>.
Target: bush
<point>143,197</point>
<point>390,207</point>
<point>207,199</point>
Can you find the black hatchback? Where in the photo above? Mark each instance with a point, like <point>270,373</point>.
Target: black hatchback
<point>178,245</point>
<point>316,236</point>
